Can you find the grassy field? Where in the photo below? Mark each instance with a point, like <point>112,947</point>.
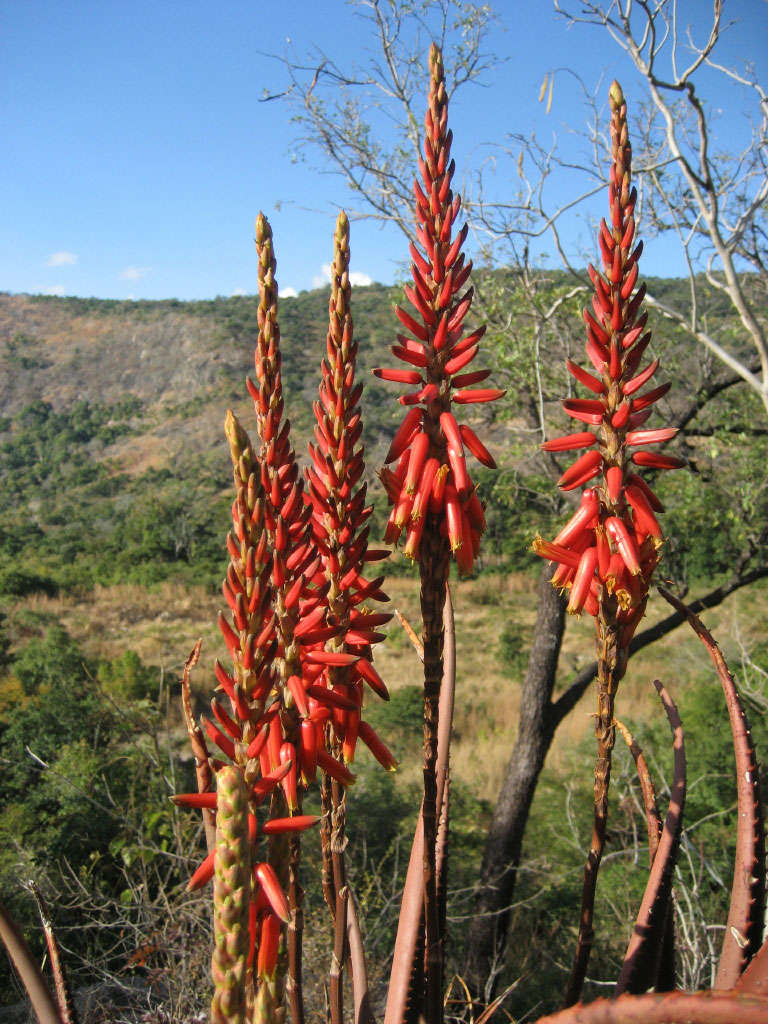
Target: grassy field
<point>162,624</point>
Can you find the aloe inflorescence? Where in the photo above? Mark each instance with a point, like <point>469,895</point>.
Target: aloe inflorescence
<point>430,487</point>
<point>246,727</point>
<point>340,532</point>
<point>610,546</point>
<point>299,630</point>
<point>340,515</point>
<point>434,500</point>
<point>607,552</point>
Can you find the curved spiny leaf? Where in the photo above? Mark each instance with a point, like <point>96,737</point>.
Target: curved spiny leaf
<point>667,1008</point>
<point>744,929</point>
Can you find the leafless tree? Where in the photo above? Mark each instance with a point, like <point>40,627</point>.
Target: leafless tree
<point>364,120</point>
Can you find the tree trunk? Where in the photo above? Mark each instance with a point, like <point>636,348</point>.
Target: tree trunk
<point>487,933</point>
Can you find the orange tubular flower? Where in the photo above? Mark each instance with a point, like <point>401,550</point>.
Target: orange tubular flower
<point>437,352</point>
<point>339,518</point>
<point>616,517</point>
<point>244,706</point>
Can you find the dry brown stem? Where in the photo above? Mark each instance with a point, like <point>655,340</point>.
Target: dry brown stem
<point>203,772</point>
<point>61,987</point>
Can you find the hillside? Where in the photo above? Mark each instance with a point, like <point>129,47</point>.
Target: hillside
<point>112,448</point>
<point>114,495</point>
<point>113,465</point>
<point>112,454</point>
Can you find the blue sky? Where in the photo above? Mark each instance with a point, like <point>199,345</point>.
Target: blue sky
<point>137,153</point>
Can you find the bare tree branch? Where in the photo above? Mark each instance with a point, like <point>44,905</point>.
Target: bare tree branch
<point>719,198</point>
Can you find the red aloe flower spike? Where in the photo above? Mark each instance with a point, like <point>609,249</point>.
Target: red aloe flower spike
<point>288,515</point>
<point>615,532</point>
<point>267,543</point>
<point>251,639</point>
<point>300,608</point>
<point>341,534</point>
<point>431,492</point>
<point>269,589</point>
<point>440,308</point>
<point>248,574</point>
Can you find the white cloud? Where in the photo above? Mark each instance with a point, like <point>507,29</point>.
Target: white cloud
<point>356,278</point>
<point>288,293</point>
<point>56,289</point>
<point>133,273</point>
<point>61,259</point>
<point>237,291</point>
<point>324,277</point>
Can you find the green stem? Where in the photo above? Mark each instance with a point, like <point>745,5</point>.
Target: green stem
<point>611,664</point>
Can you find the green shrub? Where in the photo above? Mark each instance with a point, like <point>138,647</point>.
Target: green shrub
<point>513,647</point>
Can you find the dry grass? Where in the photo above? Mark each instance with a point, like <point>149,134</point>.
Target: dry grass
<point>162,625</point>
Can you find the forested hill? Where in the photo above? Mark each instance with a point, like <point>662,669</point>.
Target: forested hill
<point>174,360</point>
<point>113,464</point>
<point>112,451</point>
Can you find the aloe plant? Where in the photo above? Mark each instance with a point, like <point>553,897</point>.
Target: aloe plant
<point>302,620</point>
<point>607,552</point>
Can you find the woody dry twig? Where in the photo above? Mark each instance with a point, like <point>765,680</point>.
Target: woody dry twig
<point>60,983</point>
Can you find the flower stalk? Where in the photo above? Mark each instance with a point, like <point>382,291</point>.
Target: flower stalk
<point>340,532</point>
<point>607,552</point>
<point>434,501</point>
